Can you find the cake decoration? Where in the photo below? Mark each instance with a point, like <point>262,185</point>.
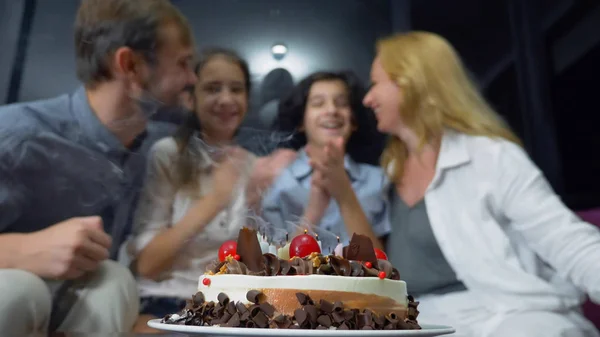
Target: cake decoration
<point>310,315</point>
<point>248,248</point>
<point>227,248</point>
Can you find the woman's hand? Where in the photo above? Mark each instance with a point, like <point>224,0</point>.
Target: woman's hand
<point>329,171</point>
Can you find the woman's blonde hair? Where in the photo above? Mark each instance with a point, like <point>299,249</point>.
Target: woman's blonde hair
<point>437,94</point>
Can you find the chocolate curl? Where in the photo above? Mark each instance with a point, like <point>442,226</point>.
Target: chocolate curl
<point>361,249</point>
<point>272,264</point>
<point>248,248</point>
<point>231,308</point>
<point>198,298</point>
<point>392,318</point>
<point>385,266</point>
<point>223,299</point>
<point>284,267</point>
<point>341,267</point>
<point>395,274</point>
<point>255,296</point>
<point>241,308</point>
<point>357,269</point>
<point>267,308</point>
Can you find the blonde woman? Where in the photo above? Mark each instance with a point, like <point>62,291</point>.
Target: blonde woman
<point>477,232</point>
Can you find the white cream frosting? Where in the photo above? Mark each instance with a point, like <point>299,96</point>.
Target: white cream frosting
<point>237,286</point>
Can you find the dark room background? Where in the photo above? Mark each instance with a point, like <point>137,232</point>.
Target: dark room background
<point>537,61</point>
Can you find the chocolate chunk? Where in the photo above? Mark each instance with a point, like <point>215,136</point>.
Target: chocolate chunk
<point>402,325</point>
<point>363,320</point>
<point>255,296</point>
<point>231,308</point>
<point>250,324</point>
<point>338,317</point>
<point>395,275</point>
<point>300,316</point>
<point>248,248</point>
<point>312,312</point>
<point>304,299</point>
<point>283,321</point>
<point>361,249</point>
<point>223,299</point>
<point>413,325</point>
<point>261,320</point>
<point>326,306</point>
<point>343,326</point>
<point>390,326</point>
<point>198,298</point>
<point>268,309</point>
<point>245,316</point>
<point>241,308</point>
<point>324,320</point>
<point>225,318</point>
<point>234,321</point>
<point>378,320</point>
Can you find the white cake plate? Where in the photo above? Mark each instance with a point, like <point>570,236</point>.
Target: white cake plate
<point>428,330</point>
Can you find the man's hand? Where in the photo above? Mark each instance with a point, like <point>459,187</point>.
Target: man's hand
<point>66,250</point>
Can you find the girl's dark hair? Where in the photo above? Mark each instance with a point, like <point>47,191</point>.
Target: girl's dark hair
<point>187,172</point>
<point>365,143</point>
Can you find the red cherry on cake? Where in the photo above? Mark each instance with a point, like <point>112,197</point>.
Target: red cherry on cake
<point>206,282</point>
<point>227,248</point>
<point>303,245</point>
<point>380,254</point>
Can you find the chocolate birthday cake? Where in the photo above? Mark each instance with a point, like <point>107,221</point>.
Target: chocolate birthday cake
<point>248,288</point>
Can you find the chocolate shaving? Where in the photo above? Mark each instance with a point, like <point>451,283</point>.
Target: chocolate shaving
<point>301,317</point>
<point>261,320</point>
<point>325,315</point>
<point>304,299</point>
<point>326,306</point>
<point>340,266</point>
<point>272,264</point>
<point>198,298</point>
<point>324,320</point>
<point>312,313</point>
<point>267,308</point>
<point>223,299</point>
<point>248,248</point>
<point>255,296</point>
<point>234,321</point>
<point>357,269</point>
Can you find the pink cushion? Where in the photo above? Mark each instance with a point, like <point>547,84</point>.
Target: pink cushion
<point>591,310</point>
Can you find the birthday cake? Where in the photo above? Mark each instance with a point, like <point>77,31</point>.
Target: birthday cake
<point>249,288</point>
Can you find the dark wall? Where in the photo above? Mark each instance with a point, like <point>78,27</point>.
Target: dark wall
<point>332,34</point>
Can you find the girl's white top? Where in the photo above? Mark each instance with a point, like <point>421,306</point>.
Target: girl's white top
<point>162,204</point>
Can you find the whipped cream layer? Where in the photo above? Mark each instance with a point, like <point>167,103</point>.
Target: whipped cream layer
<point>280,291</point>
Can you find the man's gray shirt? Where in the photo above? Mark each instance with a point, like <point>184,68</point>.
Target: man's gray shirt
<point>57,161</point>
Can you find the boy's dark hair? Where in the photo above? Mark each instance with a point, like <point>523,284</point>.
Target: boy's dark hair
<point>365,144</point>
<point>103,26</point>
